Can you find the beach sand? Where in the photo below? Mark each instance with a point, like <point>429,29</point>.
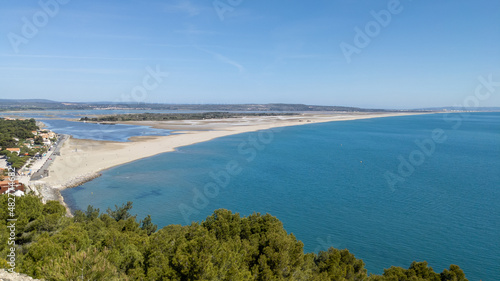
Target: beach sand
<point>83,160</point>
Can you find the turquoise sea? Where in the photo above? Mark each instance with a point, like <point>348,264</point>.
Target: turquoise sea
<point>391,190</point>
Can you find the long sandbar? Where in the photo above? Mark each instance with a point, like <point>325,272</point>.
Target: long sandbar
<point>82,160</point>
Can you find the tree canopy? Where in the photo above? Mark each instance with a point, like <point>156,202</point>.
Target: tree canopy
<point>177,116</point>
<point>10,129</point>
<point>114,246</point>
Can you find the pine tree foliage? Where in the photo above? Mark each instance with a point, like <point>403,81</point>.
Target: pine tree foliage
<point>114,246</point>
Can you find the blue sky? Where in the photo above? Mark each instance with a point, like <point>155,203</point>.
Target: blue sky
<point>430,53</point>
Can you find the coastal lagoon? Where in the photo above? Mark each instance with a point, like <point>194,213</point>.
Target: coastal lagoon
<point>77,114</point>
<point>391,190</point>
<point>65,122</point>
<point>103,132</point>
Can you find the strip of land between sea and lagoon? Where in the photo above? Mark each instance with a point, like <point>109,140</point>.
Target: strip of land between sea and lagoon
<point>83,160</point>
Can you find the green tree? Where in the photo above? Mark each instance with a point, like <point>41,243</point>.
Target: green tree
<point>38,140</point>
<point>422,270</point>
<point>121,213</point>
<point>453,274</point>
<point>225,246</point>
<point>148,225</point>
<point>88,264</point>
<point>337,264</point>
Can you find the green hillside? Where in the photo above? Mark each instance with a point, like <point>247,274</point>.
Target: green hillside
<point>115,246</point>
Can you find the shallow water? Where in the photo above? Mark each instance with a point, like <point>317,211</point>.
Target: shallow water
<point>107,132</point>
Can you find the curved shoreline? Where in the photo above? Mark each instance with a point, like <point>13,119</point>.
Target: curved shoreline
<point>51,193</point>
<point>83,160</point>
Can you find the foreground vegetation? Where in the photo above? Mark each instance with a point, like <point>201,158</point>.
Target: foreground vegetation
<point>114,246</point>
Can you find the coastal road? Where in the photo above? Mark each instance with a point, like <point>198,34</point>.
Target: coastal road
<point>3,162</point>
<point>49,158</point>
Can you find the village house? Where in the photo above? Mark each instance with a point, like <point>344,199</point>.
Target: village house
<point>29,142</point>
<point>5,184</point>
<point>46,138</point>
<point>15,149</point>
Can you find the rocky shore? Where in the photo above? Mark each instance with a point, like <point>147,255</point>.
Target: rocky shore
<point>79,180</point>
<point>53,193</point>
<point>7,276</point>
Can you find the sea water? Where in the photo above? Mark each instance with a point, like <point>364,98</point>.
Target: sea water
<point>391,190</point>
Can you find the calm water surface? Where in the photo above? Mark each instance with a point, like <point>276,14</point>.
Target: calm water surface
<point>327,184</point>
<point>107,132</point>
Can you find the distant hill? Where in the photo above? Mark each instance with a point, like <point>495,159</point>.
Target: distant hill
<point>25,101</point>
<point>43,104</point>
<point>457,108</point>
<point>254,107</point>
<point>36,104</point>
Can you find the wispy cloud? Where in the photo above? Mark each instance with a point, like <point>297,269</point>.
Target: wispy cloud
<point>225,59</point>
<point>185,6</point>
<point>71,57</point>
<point>110,36</point>
<point>65,70</point>
<point>229,61</point>
<point>170,45</point>
<point>191,29</point>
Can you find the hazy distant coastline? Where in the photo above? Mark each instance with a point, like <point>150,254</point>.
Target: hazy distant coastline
<point>41,104</point>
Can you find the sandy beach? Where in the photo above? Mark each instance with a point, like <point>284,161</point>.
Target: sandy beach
<point>83,160</point>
